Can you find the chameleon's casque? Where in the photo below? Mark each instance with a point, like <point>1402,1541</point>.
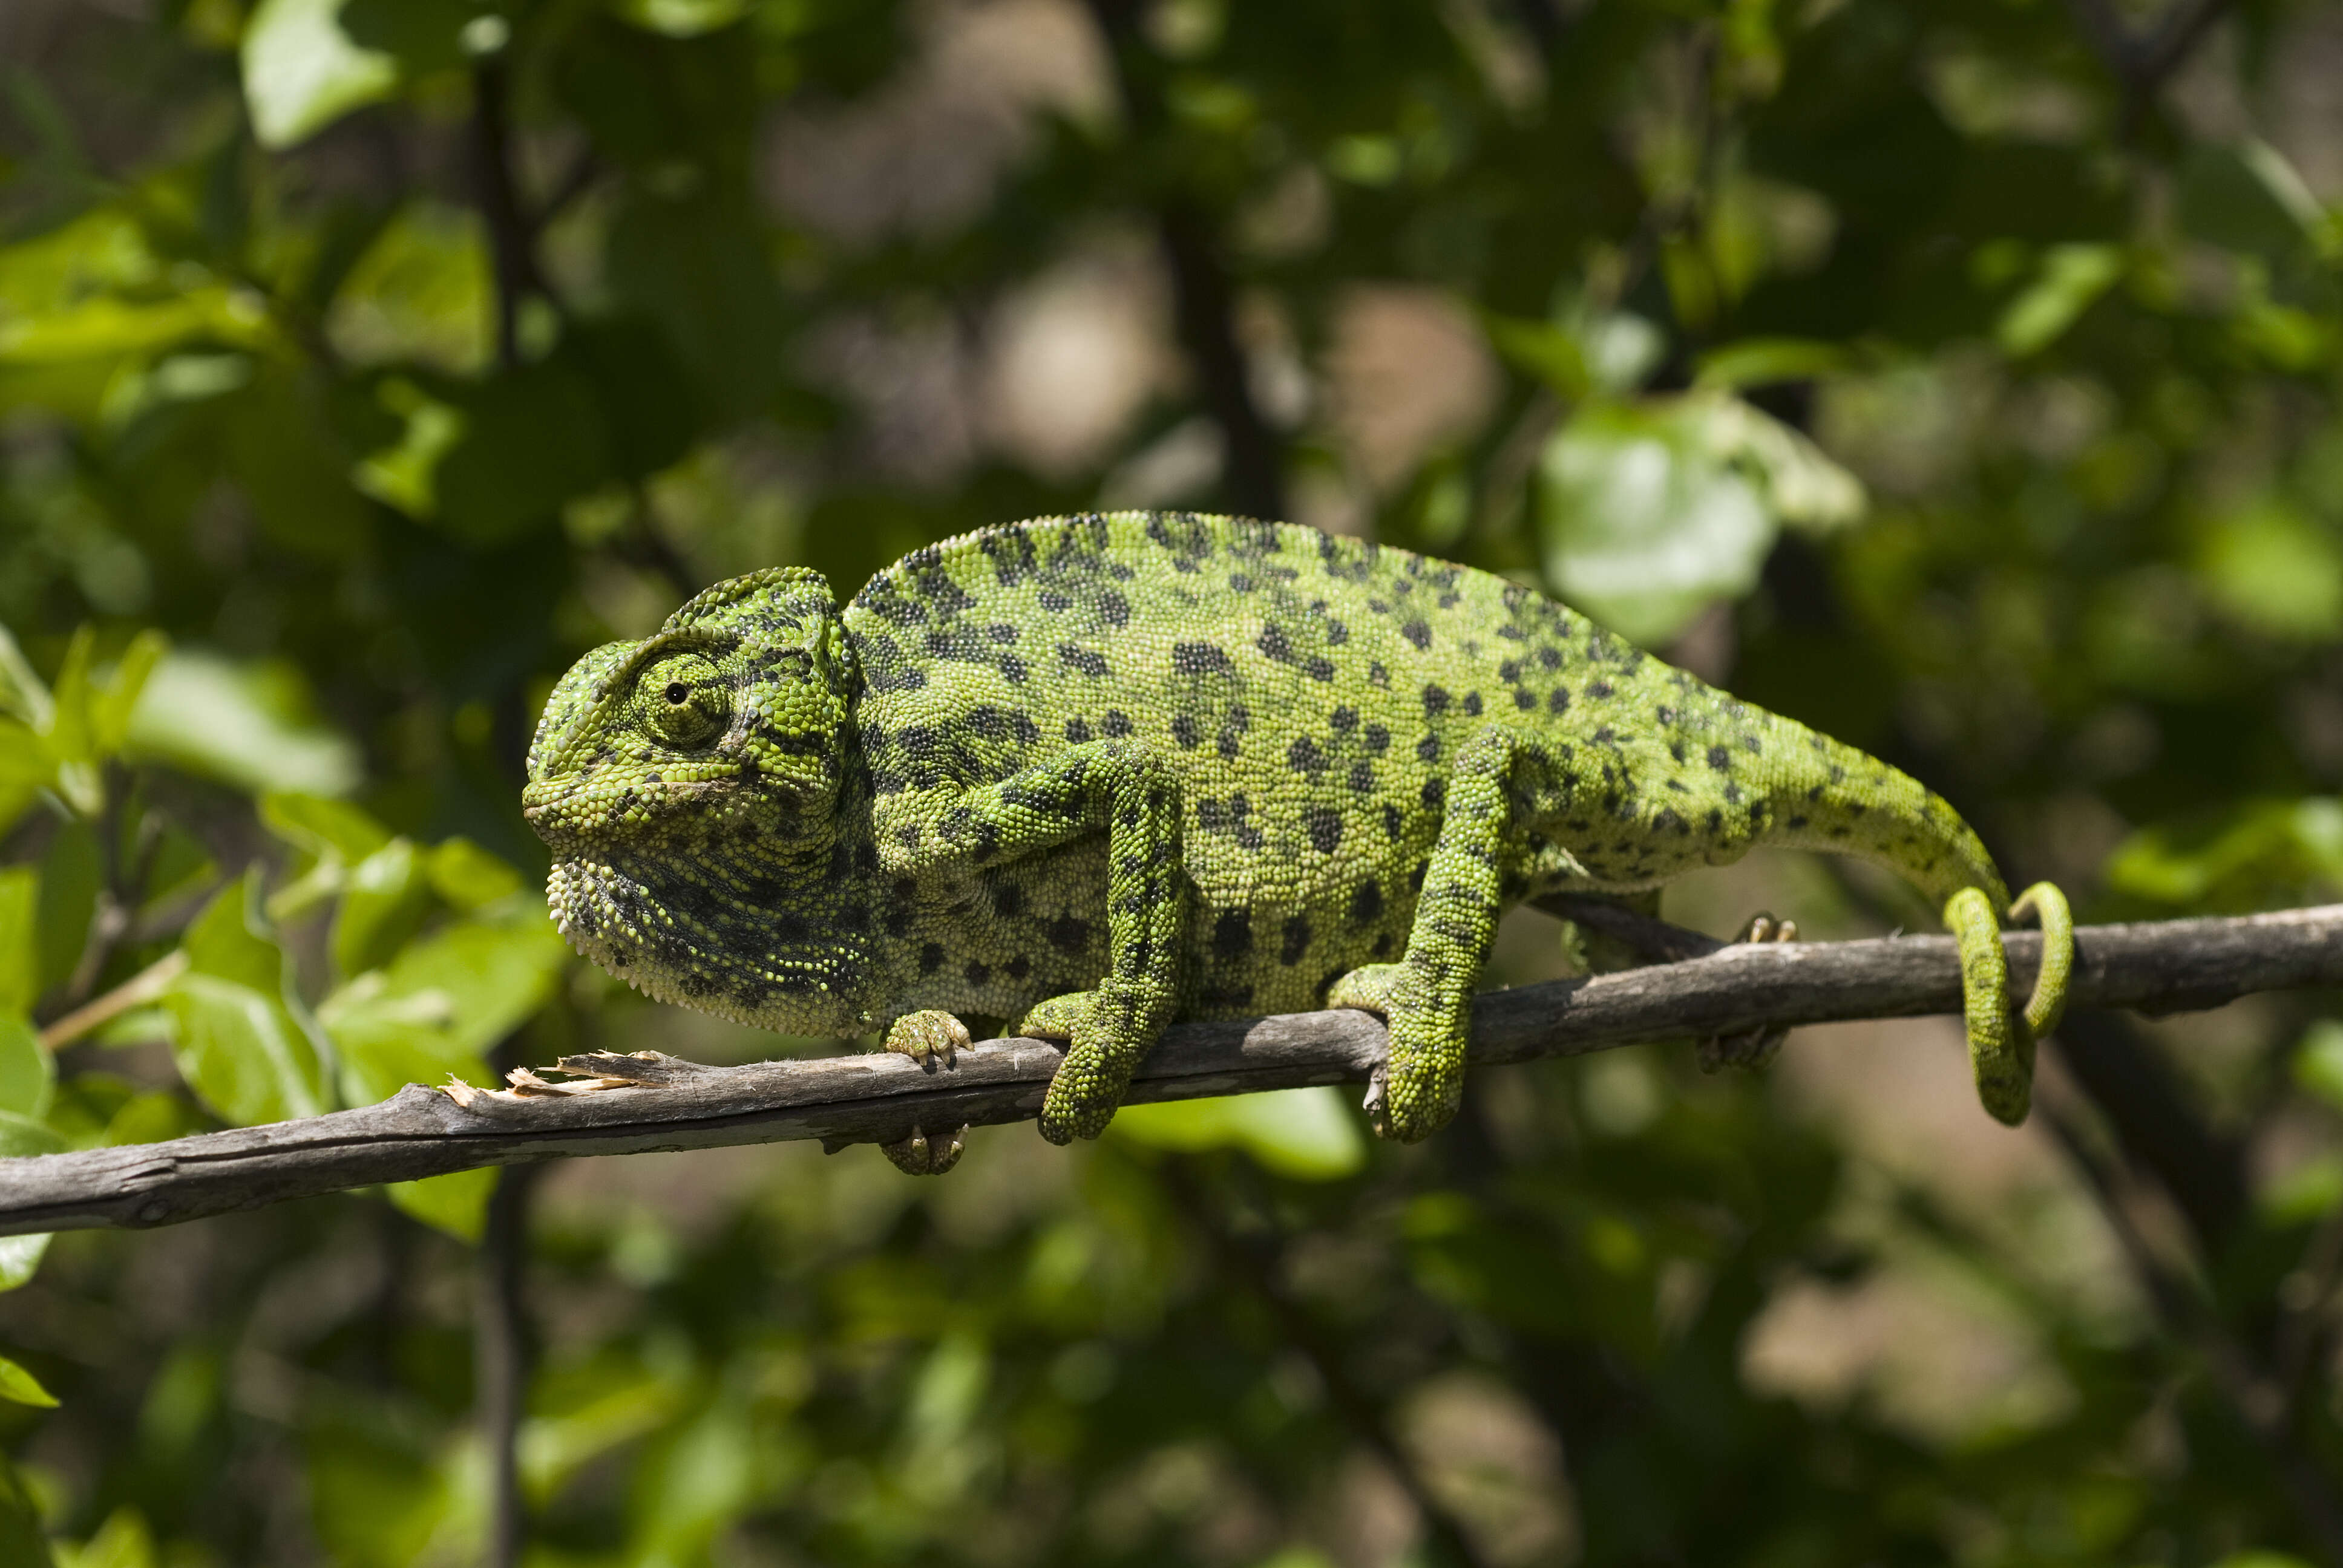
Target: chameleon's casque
<point>1096,773</point>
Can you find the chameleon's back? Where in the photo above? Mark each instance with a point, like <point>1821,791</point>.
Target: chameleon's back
<point>1312,692</point>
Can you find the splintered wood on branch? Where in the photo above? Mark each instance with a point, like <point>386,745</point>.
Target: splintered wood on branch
<point>616,1104</point>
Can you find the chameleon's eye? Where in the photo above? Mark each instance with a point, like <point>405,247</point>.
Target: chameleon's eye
<point>686,700</point>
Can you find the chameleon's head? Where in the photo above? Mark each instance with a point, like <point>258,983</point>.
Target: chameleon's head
<point>680,780</point>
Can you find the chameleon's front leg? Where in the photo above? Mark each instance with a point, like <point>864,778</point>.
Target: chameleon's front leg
<point>1427,997</point>
<point>1130,790</point>
<point>1146,905</point>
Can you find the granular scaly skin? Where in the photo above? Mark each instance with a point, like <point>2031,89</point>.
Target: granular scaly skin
<point>1096,773</point>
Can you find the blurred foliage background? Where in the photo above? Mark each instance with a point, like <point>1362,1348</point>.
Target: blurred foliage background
<point>1959,377</point>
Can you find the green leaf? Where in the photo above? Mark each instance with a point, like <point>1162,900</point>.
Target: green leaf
<point>1648,510</point>
<point>1762,361</point>
<point>532,438</point>
<point>70,873</point>
<point>20,1256</point>
<point>21,691</point>
<point>247,725</point>
<point>302,73</point>
<point>26,760</point>
<point>682,18</point>
<point>113,702</point>
<point>1642,524</point>
<point>385,898</point>
<point>122,1541</point>
<point>1309,1134</point>
<point>2248,197</point>
<point>323,827</point>
<point>455,1203</point>
<point>71,740</point>
<point>240,1043</point>
<point>2257,855</point>
<point>440,1003</point>
<point>22,1540</point>
<point>21,1135</point>
<point>29,1074</point>
<point>20,948</point>
<point>2318,1062</point>
<point>2274,571</point>
<point>2071,279</point>
<point>468,877</point>
<point>19,1386</point>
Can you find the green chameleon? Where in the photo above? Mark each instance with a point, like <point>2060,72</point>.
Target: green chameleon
<point>1096,773</point>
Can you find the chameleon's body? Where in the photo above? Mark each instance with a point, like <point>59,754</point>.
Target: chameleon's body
<point>1098,773</point>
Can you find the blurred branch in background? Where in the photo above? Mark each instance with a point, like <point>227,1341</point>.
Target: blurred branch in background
<point>624,1104</point>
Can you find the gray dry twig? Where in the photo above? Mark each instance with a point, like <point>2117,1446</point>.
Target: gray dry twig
<point>637,1104</point>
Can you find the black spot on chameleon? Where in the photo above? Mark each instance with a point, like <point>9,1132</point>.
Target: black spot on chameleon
<point>1324,827</point>
<point>1078,730</point>
<point>1115,724</point>
<point>932,958</point>
<point>1082,659</point>
<point>1201,659</point>
<point>1295,940</point>
<point>1719,758</point>
<point>1232,935</point>
<point>1366,903</point>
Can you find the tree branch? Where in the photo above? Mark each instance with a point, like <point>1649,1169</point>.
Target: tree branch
<point>637,1104</point>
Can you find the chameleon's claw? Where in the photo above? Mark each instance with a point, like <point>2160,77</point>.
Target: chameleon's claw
<point>926,1035</point>
<point>1753,1048</point>
<point>917,1156</point>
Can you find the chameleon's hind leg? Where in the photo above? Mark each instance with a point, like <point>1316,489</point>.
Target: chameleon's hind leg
<point>1427,997</point>
<point>2001,1037</point>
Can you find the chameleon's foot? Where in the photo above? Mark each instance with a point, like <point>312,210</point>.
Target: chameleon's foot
<point>926,1035</point>
<point>1109,1028</point>
<point>1418,1090</point>
<point>1056,1018</point>
<point>1755,1048</point>
<point>917,1156</point>
<point>2047,905</point>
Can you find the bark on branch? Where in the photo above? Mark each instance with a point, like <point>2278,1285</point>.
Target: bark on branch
<point>638,1104</point>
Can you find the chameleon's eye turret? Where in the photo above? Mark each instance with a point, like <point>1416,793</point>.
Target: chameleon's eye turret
<point>686,701</point>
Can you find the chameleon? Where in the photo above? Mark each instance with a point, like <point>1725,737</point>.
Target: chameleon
<point>1096,773</point>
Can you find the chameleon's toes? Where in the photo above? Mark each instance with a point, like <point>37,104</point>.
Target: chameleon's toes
<point>1055,1019</point>
<point>1755,1048</point>
<point>917,1155</point>
<point>925,1035</point>
<point>1417,1091</point>
<point>1109,1030</point>
<point>1371,988</point>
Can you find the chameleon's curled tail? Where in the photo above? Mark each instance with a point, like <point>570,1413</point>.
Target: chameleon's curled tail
<point>1838,799</point>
